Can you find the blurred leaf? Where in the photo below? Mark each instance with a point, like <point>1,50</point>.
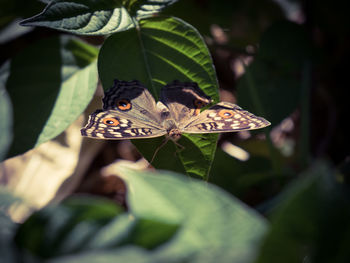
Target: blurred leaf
<point>255,146</point>
<point>11,10</point>
<point>286,45</point>
<point>121,255</point>
<point>161,51</point>
<point>242,21</point>
<point>213,222</point>
<point>5,115</point>
<point>7,199</point>
<point>169,217</point>
<point>94,17</point>
<point>7,226</point>
<point>11,32</point>
<point>312,222</point>
<point>240,177</point>
<point>65,228</point>
<point>271,86</point>
<point>50,91</point>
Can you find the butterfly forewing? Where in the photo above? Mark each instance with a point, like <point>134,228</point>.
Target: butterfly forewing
<point>110,125</point>
<point>184,100</point>
<point>224,117</point>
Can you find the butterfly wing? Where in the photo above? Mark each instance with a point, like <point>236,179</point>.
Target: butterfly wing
<point>109,124</point>
<point>184,100</point>
<point>131,98</point>
<point>224,117</point>
<point>129,111</point>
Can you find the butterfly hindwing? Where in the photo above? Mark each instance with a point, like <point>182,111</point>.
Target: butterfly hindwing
<point>132,100</point>
<point>110,125</point>
<point>184,100</point>
<point>225,117</point>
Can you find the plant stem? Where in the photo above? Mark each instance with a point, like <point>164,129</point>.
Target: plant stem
<point>148,69</point>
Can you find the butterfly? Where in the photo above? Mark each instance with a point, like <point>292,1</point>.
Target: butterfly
<point>130,112</point>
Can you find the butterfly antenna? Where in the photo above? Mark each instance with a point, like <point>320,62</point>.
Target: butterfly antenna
<point>158,148</point>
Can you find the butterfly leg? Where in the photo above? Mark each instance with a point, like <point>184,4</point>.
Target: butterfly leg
<point>179,148</point>
<point>158,148</point>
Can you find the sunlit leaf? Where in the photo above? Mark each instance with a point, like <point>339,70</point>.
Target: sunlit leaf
<point>49,91</point>
<point>214,224</point>
<point>94,17</point>
<point>160,51</point>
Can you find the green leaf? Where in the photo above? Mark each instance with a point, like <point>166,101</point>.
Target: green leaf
<point>213,223</point>
<point>160,51</point>
<point>311,222</point>
<point>82,224</point>
<point>49,91</point>
<point>7,226</point>
<point>5,115</point>
<point>65,228</point>
<point>94,17</point>
<point>169,216</point>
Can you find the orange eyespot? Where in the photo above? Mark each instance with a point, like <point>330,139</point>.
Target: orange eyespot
<point>111,122</point>
<point>123,104</point>
<point>199,103</point>
<point>225,114</point>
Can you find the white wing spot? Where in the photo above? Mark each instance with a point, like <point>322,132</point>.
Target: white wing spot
<point>100,135</point>
<point>220,125</point>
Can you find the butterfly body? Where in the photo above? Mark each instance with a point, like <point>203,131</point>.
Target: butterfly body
<point>130,112</point>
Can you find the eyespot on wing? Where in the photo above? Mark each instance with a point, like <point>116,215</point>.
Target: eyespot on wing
<point>225,113</point>
<point>123,104</point>
<point>111,121</point>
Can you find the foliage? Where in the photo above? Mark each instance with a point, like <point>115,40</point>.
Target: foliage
<point>294,70</point>
<point>162,211</point>
<point>154,56</point>
<point>308,224</point>
<point>65,71</point>
<point>161,50</point>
